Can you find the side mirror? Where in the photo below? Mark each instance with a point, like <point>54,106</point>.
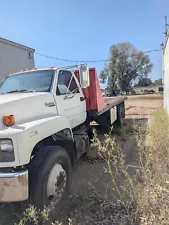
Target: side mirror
<point>84,76</point>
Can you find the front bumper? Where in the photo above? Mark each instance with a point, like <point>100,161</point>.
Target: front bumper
<point>14,186</point>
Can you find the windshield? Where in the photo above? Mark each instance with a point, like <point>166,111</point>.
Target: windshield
<point>38,81</point>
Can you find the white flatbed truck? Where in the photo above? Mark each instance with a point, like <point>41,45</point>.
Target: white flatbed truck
<point>45,117</point>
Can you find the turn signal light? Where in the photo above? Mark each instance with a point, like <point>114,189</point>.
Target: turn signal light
<point>9,120</point>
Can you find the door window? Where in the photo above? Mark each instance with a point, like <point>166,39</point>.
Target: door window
<point>64,86</point>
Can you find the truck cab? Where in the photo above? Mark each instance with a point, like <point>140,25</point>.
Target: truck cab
<point>60,90</point>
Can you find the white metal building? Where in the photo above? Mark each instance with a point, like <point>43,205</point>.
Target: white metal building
<point>14,57</point>
<point>165,63</point>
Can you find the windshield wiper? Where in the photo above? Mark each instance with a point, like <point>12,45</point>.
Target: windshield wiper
<point>23,91</point>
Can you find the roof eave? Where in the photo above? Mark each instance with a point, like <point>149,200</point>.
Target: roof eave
<point>16,44</point>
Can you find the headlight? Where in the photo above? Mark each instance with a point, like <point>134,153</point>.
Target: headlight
<point>6,150</point>
<point>6,145</point>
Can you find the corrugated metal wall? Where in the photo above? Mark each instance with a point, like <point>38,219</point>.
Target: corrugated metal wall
<point>13,58</point>
<point>166,75</point>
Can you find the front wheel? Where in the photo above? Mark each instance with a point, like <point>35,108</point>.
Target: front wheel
<point>51,180</point>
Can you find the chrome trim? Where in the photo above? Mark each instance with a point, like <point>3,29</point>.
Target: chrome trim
<point>14,186</point>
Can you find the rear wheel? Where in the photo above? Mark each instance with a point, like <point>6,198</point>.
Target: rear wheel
<point>120,114</point>
<point>50,180</point>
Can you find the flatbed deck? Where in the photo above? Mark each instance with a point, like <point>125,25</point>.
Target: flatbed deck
<point>114,100</point>
<point>111,102</point>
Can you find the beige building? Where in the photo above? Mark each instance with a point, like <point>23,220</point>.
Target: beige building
<point>141,90</point>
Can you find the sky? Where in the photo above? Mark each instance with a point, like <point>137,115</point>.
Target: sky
<point>84,30</point>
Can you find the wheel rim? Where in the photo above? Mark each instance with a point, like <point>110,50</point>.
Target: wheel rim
<point>56,183</point>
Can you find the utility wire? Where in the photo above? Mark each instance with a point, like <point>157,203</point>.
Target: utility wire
<point>91,61</point>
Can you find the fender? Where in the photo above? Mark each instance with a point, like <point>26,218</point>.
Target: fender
<point>33,132</point>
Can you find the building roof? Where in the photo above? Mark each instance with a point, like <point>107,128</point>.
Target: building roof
<point>16,44</point>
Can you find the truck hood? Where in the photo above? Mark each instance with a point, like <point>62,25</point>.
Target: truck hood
<point>27,107</point>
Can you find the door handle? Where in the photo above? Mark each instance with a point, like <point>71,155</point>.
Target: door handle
<point>82,98</point>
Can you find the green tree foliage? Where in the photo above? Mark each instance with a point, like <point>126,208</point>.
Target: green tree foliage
<point>126,65</point>
<point>158,82</point>
<point>103,75</point>
<point>144,82</point>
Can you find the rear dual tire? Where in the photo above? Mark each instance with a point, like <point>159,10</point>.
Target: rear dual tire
<point>120,114</point>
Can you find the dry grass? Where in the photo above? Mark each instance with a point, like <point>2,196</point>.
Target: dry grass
<point>34,217</point>
<point>146,97</point>
<point>154,154</point>
<point>144,196</point>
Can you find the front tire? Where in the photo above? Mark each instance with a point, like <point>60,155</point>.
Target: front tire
<point>50,179</point>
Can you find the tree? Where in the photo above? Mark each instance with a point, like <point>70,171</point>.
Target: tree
<point>103,75</point>
<point>126,65</point>
<point>158,82</point>
<point>144,82</point>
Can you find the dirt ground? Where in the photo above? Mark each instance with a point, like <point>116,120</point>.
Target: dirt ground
<point>89,178</point>
<point>142,106</point>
